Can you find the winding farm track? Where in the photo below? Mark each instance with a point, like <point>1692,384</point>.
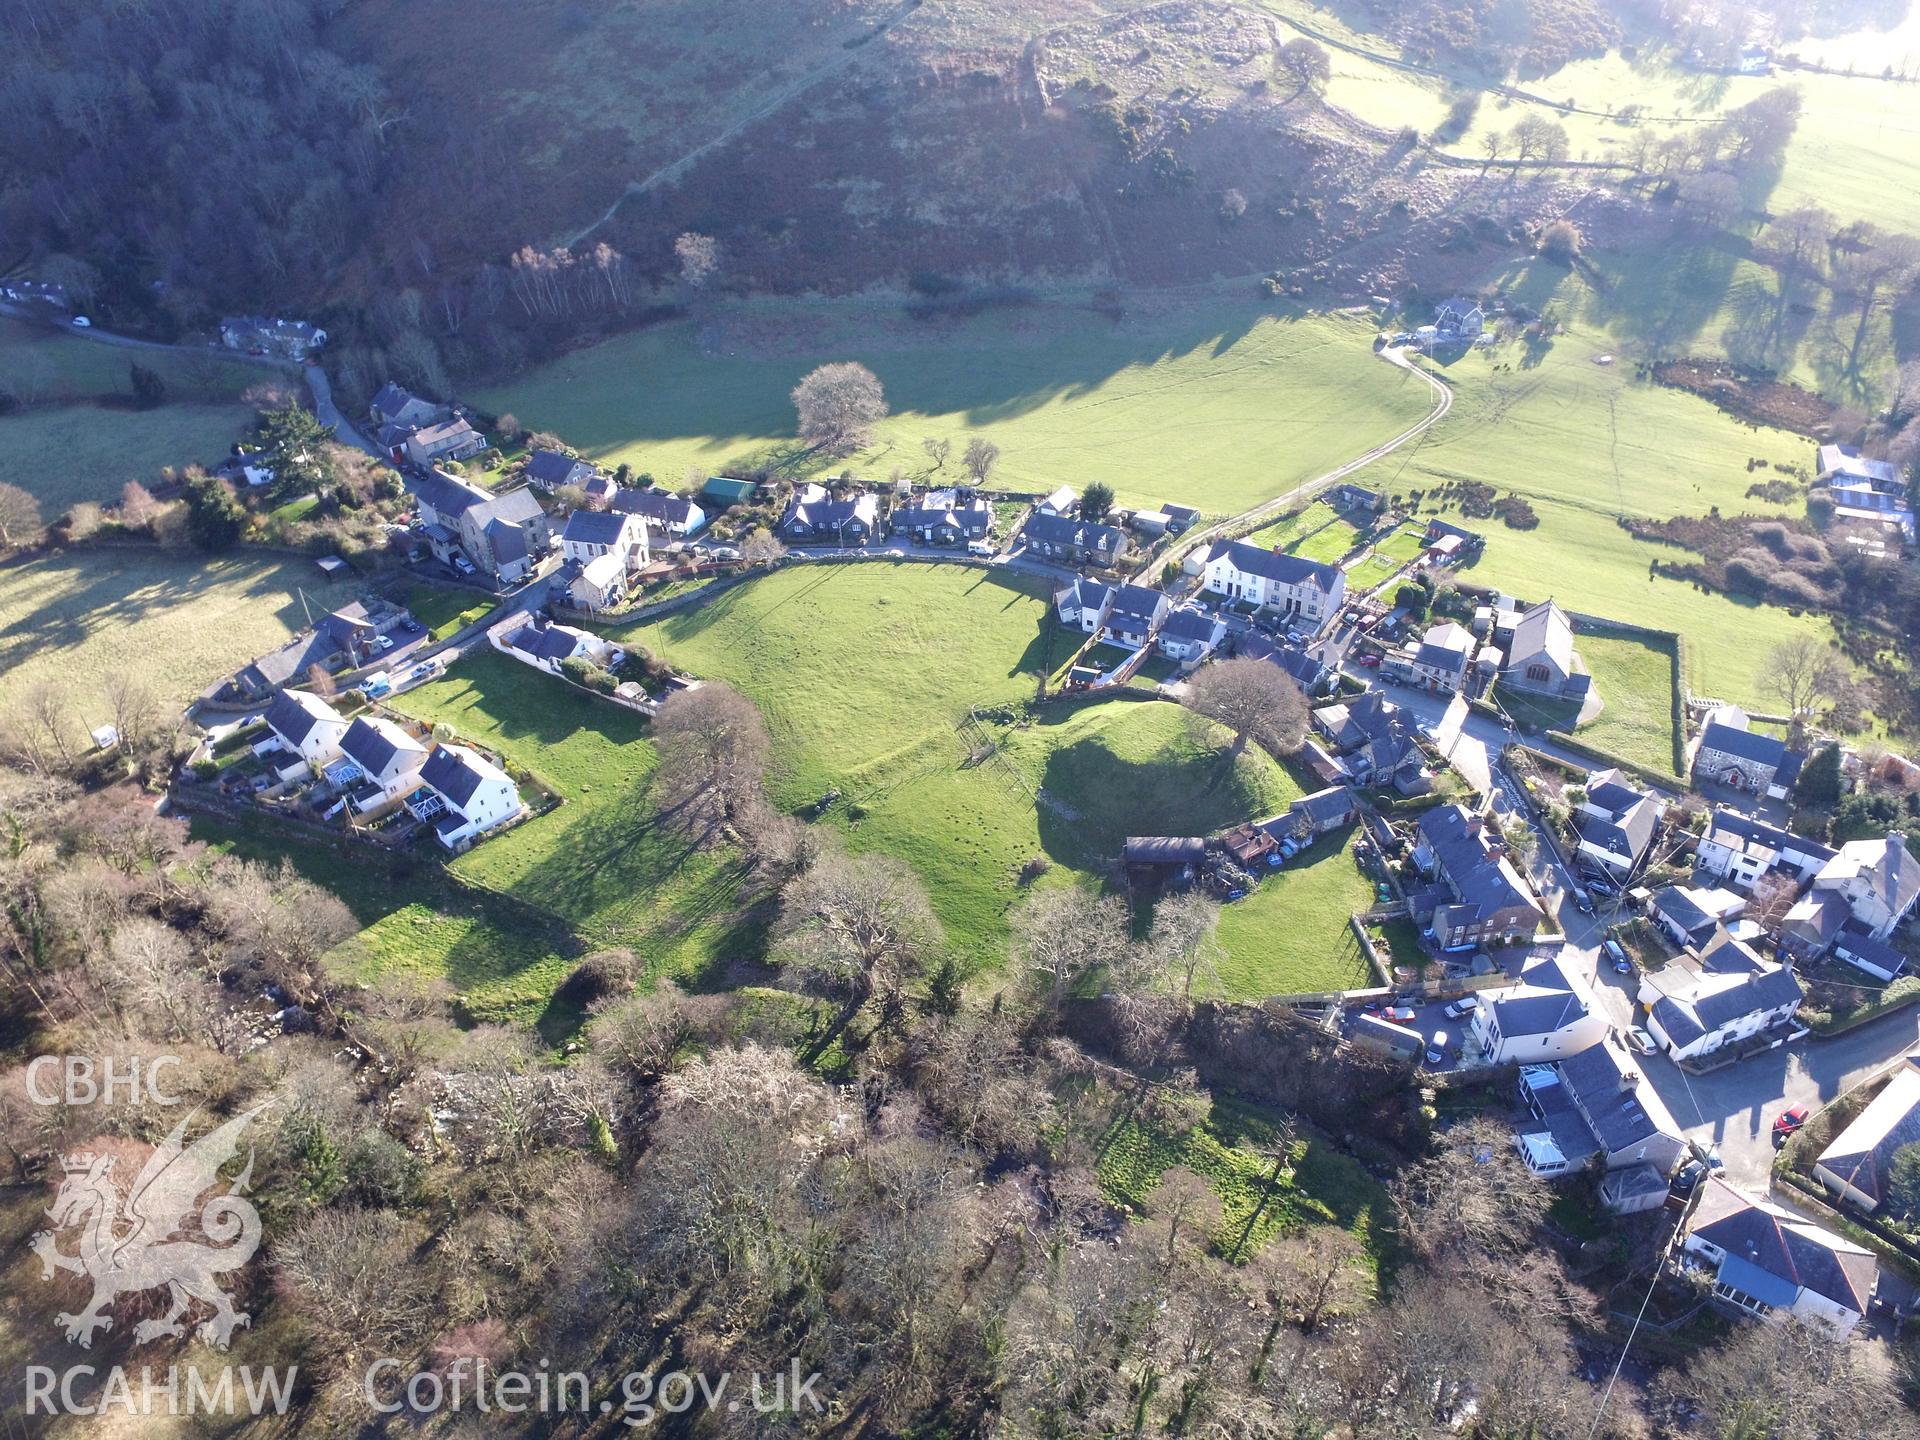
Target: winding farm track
<point>1307,489</point>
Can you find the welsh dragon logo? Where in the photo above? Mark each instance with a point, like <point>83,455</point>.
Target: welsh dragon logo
<point>149,1246</point>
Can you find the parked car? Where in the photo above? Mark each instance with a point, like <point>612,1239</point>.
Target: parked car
<point>1437,1048</point>
<point>81,322</point>
<point>1368,662</point>
<point>981,548</point>
<point>1618,955</point>
<point>1583,902</point>
<point>1462,1008</point>
<point>380,644</point>
<point>725,552</point>
<point>463,564</point>
<point>1687,1177</point>
<point>1641,1040</point>
<point>1600,885</point>
<point>1788,1121</point>
<point>423,670</point>
<point>1707,1155</point>
<point>1399,1014</point>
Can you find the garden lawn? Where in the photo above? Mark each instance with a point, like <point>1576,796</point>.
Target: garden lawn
<point>445,611</point>
<point>1634,676</point>
<point>503,959</point>
<point>177,621</point>
<point>1386,559</point>
<point>1290,936</point>
<point>1219,404</point>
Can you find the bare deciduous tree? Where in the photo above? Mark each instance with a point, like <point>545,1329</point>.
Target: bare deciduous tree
<point>838,405</point>
<point>857,926</point>
<point>982,456</point>
<point>938,448</point>
<point>1061,934</point>
<point>19,516</point>
<point>1181,946</point>
<point>713,750</point>
<point>355,1277</point>
<point>1799,672</point>
<point>1255,700</point>
<point>760,546</point>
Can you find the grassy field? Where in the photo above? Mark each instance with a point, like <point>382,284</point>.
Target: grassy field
<point>1217,404</point>
<point>826,653</point>
<point>822,652</point>
<point>63,454</point>
<point>1586,444</point>
<point>1850,154</point>
<point>1635,680</point>
<point>177,621</point>
<point>64,446</point>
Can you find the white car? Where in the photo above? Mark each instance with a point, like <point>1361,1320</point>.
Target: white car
<point>982,548</point>
<point>81,322</point>
<point>1641,1040</point>
<point>724,552</point>
<point>1462,1008</point>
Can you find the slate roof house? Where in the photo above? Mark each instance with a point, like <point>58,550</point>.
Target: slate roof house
<point>551,643</point>
<point>258,334</point>
<point>307,725</point>
<point>388,760</point>
<point>1459,318</point>
<point>1858,1163</point>
<point>1190,634</point>
<point>1135,614</point>
<point>1717,995</point>
<point>444,440</point>
<point>1306,672</point>
<point>1321,812</point>
<point>1595,1108</point>
<point>662,511</point>
<point>1376,742</point>
<point>500,534</point>
<point>1879,879</point>
<point>1690,913</point>
<point>1742,759</point>
<point>1358,497</point>
<point>1617,822</point>
<point>1546,1014</point>
<point>1487,903</point>
<point>550,469</point>
<point>592,533</point>
<point>943,517</point>
<point>599,584</point>
<point>475,795</point>
<point>813,516</point>
<point>1740,849</point>
<point>1448,542</point>
<point>396,405</point>
<point>1303,588</point>
<point>1439,660</point>
<point>1063,537</point>
<point>1768,1261</point>
<point>1084,604</point>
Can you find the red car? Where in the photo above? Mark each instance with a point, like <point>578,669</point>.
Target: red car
<point>1790,1120</point>
<point>1369,662</point>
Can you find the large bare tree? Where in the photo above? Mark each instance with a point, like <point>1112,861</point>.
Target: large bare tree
<point>1254,699</point>
<point>713,758</point>
<point>838,405</point>
<point>1798,672</point>
<point>1063,933</point>
<point>858,926</point>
